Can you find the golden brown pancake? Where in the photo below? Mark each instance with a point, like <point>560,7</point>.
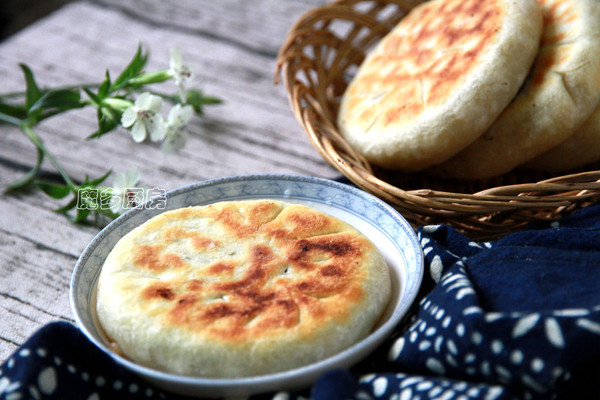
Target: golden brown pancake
<point>240,288</point>
<point>438,80</point>
<point>561,92</point>
<point>580,149</point>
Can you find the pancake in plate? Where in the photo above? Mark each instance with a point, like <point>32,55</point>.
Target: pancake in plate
<point>240,288</point>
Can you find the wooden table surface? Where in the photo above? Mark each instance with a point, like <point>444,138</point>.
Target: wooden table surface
<point>231,47</point>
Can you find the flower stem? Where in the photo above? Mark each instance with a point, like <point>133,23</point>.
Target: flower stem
<point>28,130</point>
<point>9,119</point>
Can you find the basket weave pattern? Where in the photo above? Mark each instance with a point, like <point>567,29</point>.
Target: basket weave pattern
<point>317,60</point>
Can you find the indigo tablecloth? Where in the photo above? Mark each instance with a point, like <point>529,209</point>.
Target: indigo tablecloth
<point>517,318</point>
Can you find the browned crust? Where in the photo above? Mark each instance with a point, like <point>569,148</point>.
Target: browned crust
<point>307,270</point>
<point>439,44</point>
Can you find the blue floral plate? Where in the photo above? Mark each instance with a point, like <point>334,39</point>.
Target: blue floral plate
<point>378,221</point>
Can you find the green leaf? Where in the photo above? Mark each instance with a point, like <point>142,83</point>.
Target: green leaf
<point>69,206</point>
<point>32,91</point>
<point>106,123</point>
<point>95,135</point>
<point>84,203</point>
<point>197,100</point>
<point>58,100</point>
<point>93,96</point>
<point>104,88</point>
<point>97,181</point>
<point>134,68</point>
<point>29,177</point>
<point>53,190</point>
<point>81,215</point>
<point>12,113</point>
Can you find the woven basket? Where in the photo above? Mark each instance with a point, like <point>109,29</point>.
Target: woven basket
<point>317,60</point>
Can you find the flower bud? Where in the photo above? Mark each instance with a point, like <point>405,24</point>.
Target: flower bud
<point>117,104</point>
<point>151,77</point>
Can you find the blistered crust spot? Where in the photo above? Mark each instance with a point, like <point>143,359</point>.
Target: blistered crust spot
<point>221,268</point>
<point>555,12</point>
<point>289,278</point>
<point>194,285</point>
<point>425,58</point>
<point>243,224</point>
<point>304,224</point>
<point>152,257</point>
<point>555,46</point>
<point>158,291</point>
<point>157,258</point>
<point>199,241</point>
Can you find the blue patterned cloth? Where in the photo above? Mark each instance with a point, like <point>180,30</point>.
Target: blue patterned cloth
<point>518,318</point>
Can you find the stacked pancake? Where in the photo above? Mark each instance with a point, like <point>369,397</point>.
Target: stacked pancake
<point>475,88</point>
<point>240,288</point>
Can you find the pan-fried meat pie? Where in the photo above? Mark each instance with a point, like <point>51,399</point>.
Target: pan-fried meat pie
<point>560,94</point>
<point>240,288</point>
<point>438,80</point>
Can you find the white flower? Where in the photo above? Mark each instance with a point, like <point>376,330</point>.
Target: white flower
<point>144,118</point>
<point>180,72</point>
<point>125,194</point>
<point>176,137</point>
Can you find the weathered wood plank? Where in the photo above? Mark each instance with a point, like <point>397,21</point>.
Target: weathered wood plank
<point>34,290</point>
<point>30,217</point>
<point>258,25</point>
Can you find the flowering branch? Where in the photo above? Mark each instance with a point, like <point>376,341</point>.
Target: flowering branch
<point>125,101</point>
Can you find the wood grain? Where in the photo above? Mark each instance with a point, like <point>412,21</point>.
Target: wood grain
<point>231,47</point>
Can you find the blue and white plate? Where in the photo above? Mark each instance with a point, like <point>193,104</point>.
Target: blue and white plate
<point>390,232</point>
